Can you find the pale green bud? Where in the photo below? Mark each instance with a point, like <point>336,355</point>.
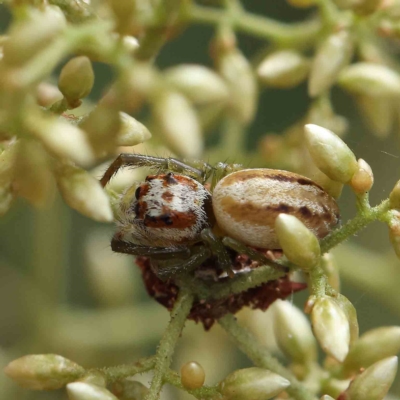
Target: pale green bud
<point>331,155</point>
<point>334,53</point>
<point>334,188</point>
<point>178,124</point>
<point>76,79</point>
<point>199,84</point>
<point>331,327</point>
<point>94,378</point>
<point>370,79</point>
<point>238,74</point>
<point>124,11</point>
<point>110,286</point>
<point>7,163</point>
<point>326,397</point>
<point>43,371</point>
<point>33,178</point>
<point>252,384</point>
<point>131,132</point>
<point>130,43</point>
<point>378,112</point>
<point>62,139</point>
<point>127,389</point>
<point>394,196</point>
<point>83,193</point>
<point>363,178</point>
<point>351,313</point>
<point>371,347</point>
<point>192,375</point>
<point>28,37</point>
<point>87,391</point>
<point>102,127</point>
<point>394,232</point>
<point>283,69</point>
<point>374,382</point>
<point>293,332</point>
<point>298,243</point>
<point>329,265</point>
<point>47,94</point>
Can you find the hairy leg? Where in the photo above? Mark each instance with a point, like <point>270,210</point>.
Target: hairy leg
<point>170,164</point>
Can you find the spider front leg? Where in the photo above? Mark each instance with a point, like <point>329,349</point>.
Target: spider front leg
<point>219,250</point>
<point>120,246</point>
<point>253,254</point>
<point>140,160</point>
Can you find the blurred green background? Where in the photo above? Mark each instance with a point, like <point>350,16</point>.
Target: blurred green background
<point>50,300</point>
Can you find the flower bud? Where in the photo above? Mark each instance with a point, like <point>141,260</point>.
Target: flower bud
<point>379,114</point>
<point>329,265</point>
<point>370,79</point>
<point>394,232</point>
<point>43,371</point>
<point>83,193</point>
<point>94,378</point>
<point>131,132</point>
<point>124,11</point>
<point>363,178</point>
<point>87,391</point>
<point>334,53</point>
<point>47,94</point>
<point>33,178</point>
<point>127,389</point>
<point>298,243</point>
<point>351,314</point>
<point>293,333</point>
<point>326,397</point>
<point>178,124</point>
<point>252,384</point>
<point>330,153</point>
<point>334,188</point>
<point>192,375</point>
<point>29,36</point>
<point>374,382</point>
<point>7,163</point>
<point>76,79</point>
<point>102,127</point>
<point>394,196</point>
<point>331,327</point>
<point>62,139</point>
<point>199,84</point>
<point>110,286</point>
<point>238,74</point>
<point>283,69</point>
<point>371,347</point>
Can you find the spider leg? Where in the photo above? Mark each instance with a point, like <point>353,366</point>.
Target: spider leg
<point>199,255</point>
<point>219,250</point>
<point>120,246</point>
<point>140,160</point>
<point>253,254</point>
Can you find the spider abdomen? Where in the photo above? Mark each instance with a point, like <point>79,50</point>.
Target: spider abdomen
<point>167,210</point>
<point>247,202</point>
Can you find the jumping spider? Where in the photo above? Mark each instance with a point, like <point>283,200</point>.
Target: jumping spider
<point>178,223</point>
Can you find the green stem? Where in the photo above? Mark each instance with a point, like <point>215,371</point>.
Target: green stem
<point>204,392</point>
<point>353,226</point>
<point>167,344</point>
<point>296,35</point>
<point>262,358</point>
<point>318,281</point>
<point>236,285</point>
<point>233,135</point>
<point>124,371</point>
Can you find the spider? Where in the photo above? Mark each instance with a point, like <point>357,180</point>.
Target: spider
<point>179,220</point>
